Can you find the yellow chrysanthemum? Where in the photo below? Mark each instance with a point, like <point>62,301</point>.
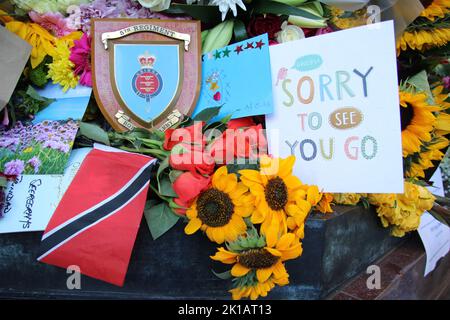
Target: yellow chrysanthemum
<point>403,211</point>
<point>417,121</point>
<point>262,263</point>
<point>279,195</point>
<point>435,9</point>
<point>256,290</point>
<point>61,68</point>
<point>219,210</point>
<point>347,198</point>
<point>423,39</point>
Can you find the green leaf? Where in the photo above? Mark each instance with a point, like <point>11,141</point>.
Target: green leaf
<point>94,132</point>
<point>3,182</point>
<point>174,174</point>
<point>222,275</point>
<point>165,187</point>
<point>420,82</point>
<point>281,8</point>
<point>160,219</point>
<point>163,165</point>
<point>206,14</point>
<point>207,114</point>
<point>240,33</point>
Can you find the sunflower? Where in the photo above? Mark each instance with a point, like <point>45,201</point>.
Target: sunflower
<point>219,210</point>
<point>255,290</point>
<point>278,194</point>
<point>435,9</point>
<point>258,261</point>
<point>423,39</point>
<point>418,163</point>
<point>417,120</point>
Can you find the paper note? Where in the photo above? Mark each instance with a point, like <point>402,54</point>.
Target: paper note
<point>14,53</point>
<point>336,108</point>
<point>238,78</point>
<point>434,234</point>
<point>71,104</point>
<point>32,199</point>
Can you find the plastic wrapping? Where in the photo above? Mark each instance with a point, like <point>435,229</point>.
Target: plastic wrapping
<point>403,12</point>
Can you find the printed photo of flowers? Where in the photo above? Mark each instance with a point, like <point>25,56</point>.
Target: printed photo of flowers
<point>41,148</point>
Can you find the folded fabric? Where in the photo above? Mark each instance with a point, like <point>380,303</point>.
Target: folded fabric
<point>94,226</point>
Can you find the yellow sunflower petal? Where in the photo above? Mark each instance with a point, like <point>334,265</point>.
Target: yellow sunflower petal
<point>193,226</point>
<point>239,270</point>
<point>264,274</point>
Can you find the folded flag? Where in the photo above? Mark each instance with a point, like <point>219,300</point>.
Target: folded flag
<point>94,226</point>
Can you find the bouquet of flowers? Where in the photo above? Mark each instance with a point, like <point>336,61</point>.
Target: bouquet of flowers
<point>218,177</point>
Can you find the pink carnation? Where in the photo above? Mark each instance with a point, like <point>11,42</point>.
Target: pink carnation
<point>54,22</point>
<point>80,55</point>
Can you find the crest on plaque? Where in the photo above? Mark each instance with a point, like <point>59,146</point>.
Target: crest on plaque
<point>146,73</point>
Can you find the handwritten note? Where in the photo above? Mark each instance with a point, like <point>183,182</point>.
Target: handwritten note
<point>336,108</point>
<point>238,78</point>
<point>434,234</point>
<point>32,199</point>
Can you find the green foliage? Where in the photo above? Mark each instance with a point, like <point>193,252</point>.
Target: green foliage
<point>94,132</point>
<point>160,218</point>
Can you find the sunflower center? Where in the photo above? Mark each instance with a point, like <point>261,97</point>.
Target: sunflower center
<point>257,259</point>
<point>426,3</point>
<point>276,193</point>
<point>214,208</point>
<point>406,115</point>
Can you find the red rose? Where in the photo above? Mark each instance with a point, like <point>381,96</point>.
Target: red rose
<point>240,123</point>
<point>240,143</point>
<point>188,186</point>
<point>193,159</point>
<point>192,134</point>
<point>260,24</point>
<point>250,142</point>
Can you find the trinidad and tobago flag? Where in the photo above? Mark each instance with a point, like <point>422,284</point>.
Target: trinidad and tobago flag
<point>94,226</point>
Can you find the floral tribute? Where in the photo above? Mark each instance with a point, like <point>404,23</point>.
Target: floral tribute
<point>217,178</point>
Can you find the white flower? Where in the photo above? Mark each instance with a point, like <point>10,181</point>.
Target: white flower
<point>225,5</point>
<point>155,5</point>
<point>289,33</point>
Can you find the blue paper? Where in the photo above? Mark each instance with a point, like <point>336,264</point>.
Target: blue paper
<point>71,104</point>
<point>238,77</point>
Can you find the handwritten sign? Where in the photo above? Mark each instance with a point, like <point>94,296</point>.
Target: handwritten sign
<point>434,234</point>
<point>238,78</point>
<point>32,199</point>
<point>336,108</point>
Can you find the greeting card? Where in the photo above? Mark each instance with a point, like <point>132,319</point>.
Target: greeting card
<point>238,78</point>
<point>337,110</point>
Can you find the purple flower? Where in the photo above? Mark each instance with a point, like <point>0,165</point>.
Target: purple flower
<point>446,81</point>
<point>14,167</point>
<point>35,163</point>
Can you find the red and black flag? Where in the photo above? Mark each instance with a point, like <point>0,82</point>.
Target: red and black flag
<point>94,226</point>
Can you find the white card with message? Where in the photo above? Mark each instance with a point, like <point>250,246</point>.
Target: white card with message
<point>337,110</point>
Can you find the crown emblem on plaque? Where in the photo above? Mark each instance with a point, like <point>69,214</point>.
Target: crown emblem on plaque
<point>146,60</point>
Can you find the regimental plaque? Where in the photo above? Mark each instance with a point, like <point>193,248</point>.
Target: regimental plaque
<point>146,72</point>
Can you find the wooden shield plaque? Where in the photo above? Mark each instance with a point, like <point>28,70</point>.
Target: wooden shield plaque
<point>146,72</point>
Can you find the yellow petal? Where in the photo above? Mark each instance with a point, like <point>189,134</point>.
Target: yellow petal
<point>193,226</point>
<point>263,274</point>
<point>286,166</point>
<point>285,241</point>
<point>239,270</point>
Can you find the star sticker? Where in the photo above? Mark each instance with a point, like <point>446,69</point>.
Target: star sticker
<point>214,86</point>
<point>217,54</point>
<point>259,44</point>
<point>249,45</point>
<point>226,52</point>
<point>210,55</point>
<point>238,49</point>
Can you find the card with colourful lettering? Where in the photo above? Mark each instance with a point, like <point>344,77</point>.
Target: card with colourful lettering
<point>238,78</point>
<point>337,110</point>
